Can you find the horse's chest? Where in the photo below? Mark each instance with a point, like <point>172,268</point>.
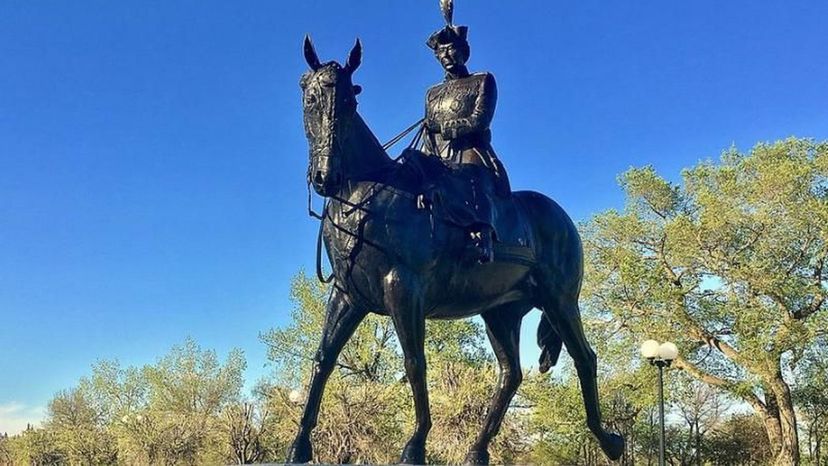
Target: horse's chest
<point>344,232</point>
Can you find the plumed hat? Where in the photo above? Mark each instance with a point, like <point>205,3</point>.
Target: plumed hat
<point>450,34</point>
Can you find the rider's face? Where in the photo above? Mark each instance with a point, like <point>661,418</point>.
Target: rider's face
<point>449,56</point>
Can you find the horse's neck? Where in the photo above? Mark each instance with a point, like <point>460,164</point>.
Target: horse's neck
<point>366,160</point>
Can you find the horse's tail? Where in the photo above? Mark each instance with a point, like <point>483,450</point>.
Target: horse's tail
<point>550,344</point>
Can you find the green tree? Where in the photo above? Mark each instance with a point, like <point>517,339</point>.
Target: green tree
<point>35,447</point>
<point>702,408</point>
<point>730,265</point>
<point>169,413</point>
<point>741,440</point>
<point>244,426</point>
<point>5,449</point>
<point>79,429</point>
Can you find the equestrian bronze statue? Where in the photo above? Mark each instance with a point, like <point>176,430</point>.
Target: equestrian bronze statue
<point>436,234</point>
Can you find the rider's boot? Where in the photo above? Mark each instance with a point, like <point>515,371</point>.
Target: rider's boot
<point>483,242</point>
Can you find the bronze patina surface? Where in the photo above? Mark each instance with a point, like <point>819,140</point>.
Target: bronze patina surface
<point>437,234</point>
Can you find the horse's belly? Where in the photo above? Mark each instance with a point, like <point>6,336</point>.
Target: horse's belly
<point>479,289</point>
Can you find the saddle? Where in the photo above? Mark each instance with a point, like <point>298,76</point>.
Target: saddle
<point>465,196</point>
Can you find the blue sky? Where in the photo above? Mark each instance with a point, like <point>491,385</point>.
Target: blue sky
<point>152,156</point>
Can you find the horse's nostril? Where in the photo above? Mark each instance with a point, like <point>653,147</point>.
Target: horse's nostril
<point>318,179</point>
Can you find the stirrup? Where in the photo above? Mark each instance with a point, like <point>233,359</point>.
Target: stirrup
<point>483,242</point>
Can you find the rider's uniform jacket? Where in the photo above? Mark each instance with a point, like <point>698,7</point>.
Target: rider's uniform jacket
<point>457,117</point>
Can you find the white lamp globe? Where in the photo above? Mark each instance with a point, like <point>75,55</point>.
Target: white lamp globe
<point>295,396</point>
<point>668,351</point>
<point>649,349</point>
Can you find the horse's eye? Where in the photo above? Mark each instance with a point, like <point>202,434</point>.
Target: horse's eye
<point>310,100</point>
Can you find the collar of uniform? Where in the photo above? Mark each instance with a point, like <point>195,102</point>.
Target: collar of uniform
<point>463,72</point>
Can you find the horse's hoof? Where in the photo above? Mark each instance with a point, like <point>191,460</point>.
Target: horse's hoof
<point>413,454</point>
<point>476,457</point>
<point>613,446</point>
<point>300,452</point>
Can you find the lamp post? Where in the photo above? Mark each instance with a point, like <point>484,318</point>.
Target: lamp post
<point>660,355</point>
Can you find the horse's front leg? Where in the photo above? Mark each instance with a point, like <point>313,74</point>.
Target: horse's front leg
<point>340,322</point>
<point>403,300</point>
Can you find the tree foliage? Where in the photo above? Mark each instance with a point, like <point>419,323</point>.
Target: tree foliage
<point>35,447</point>
<point>729,265</point>
<point>167,412</point>
<point>79,429</point>
<point>741,440</point>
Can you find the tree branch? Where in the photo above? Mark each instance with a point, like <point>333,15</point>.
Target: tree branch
<point>819,298</point>
<point>695,372</point>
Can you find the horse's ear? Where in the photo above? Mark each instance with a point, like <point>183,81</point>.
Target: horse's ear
<point>310,55</point>
<point>354,58</point>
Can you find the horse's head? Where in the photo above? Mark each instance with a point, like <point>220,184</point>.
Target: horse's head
<point>329,103</point>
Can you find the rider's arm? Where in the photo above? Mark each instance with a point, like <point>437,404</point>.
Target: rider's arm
<point>480,117</point>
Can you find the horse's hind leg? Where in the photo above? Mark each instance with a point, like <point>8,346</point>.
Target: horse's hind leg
<point>340,322</point>
<point>565,316</point>
<point>503,328</point>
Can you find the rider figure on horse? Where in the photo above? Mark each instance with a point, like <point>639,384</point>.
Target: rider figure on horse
<point>456,130</point>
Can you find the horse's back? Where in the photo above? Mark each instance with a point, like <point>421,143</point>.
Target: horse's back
<point>555,239</point>
<point>546,215</point>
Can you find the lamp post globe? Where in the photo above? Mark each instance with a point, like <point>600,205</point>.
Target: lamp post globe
<point>668,351</point>
<point>296,396</point>
<point>650,349</point>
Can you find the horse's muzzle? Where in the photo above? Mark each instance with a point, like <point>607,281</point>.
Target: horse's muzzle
<point>325,176</point>
<point>326,183</point>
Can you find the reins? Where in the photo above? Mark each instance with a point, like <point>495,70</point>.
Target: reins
<point>321,217</point>
<point>405,132</point>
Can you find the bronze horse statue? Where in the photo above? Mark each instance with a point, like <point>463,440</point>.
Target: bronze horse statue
<point>392,256</point>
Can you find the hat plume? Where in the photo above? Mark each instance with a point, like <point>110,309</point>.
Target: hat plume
<point>447,7</point>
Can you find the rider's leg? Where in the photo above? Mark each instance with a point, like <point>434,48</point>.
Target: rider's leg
<point>483,186</point>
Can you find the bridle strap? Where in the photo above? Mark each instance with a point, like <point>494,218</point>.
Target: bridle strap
<point>311,212</point>
<point>319,274</point>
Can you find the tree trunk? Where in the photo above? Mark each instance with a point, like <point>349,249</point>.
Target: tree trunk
<point>773,427</point>
<point>811,449</point>
<point>789,453</point>
<point>698,443</point>
<point>815,436</point>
